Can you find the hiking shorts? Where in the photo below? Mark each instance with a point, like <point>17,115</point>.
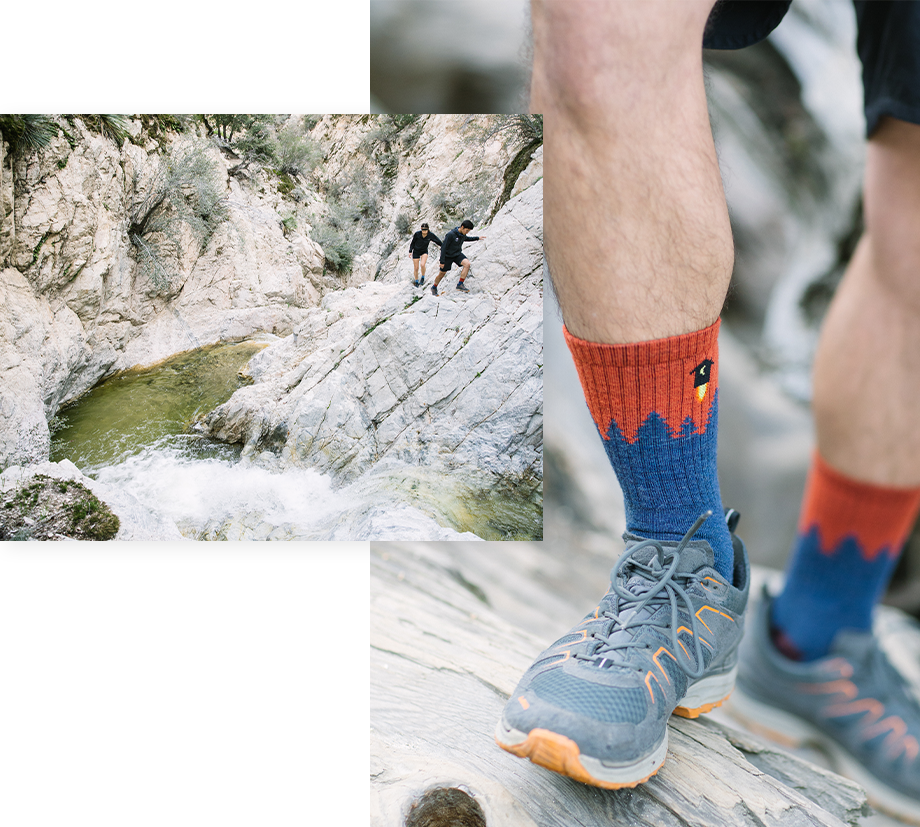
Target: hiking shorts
<point>419,253</point>
<point>457,259</point>
<point>887,41</point>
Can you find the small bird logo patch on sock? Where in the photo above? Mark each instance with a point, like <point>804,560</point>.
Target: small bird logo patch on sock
<point>701,377</point>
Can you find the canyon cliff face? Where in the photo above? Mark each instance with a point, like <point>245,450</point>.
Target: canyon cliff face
<point>73,305</point>
<point>388,372</point>
<point>367,372</point>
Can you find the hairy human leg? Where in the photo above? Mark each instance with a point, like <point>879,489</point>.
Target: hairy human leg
<point>863,492</point>
<point>639,247</point>
<point>638,239</point>
<point>867,368</point>
<point>639,244</point>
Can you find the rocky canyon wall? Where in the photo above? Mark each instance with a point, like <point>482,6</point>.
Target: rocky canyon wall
<point>365,368</point>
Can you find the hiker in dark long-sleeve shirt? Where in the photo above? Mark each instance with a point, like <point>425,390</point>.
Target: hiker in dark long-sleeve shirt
<point>452,253</point>
<point>418,247</point>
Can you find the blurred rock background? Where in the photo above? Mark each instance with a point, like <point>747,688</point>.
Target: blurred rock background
<point>443,57</point>
<point>788,120</point>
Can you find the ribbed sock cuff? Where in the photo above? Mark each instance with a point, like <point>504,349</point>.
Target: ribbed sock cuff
<point>674,377</point>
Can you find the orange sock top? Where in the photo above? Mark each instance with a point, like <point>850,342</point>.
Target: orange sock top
<point>879,517</point>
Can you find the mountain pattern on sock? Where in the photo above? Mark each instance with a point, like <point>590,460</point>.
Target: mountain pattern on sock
<point>655,405</point>
<point>850,536</point>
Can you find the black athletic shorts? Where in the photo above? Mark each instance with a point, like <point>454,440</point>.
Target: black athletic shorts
<point>887,40</point>
<point>419,254</point>
<point>457,259</point>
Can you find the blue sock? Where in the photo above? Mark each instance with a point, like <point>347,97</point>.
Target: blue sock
<point>850,536</point>
<point>655,405</point>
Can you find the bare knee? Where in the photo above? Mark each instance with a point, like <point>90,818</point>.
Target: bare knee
<point>590,55</point>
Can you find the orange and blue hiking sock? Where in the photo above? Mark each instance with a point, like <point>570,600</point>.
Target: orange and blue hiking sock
<point>655,405</point>
<point>850,536</point>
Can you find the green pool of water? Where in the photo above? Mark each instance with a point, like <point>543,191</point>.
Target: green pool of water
<point>138,408</point>
<point>135,431</point>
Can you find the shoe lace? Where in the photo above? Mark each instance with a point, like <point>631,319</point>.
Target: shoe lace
<point>659,584</point>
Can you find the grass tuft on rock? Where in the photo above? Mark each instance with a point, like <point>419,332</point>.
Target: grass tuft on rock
<point>46,508</point>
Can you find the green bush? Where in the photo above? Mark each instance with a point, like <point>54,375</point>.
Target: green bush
<point>186,191</point>
<point>297,153</point>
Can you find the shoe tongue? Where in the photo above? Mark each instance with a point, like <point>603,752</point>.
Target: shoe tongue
<point>696,554</point>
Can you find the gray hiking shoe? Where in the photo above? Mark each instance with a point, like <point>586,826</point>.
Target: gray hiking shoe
<point>595,705</point>
<point>852,703</point>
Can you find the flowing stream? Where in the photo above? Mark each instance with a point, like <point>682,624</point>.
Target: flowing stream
<point>135,431</point>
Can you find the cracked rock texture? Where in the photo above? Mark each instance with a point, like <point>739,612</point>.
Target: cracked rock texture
<point>385,373</point>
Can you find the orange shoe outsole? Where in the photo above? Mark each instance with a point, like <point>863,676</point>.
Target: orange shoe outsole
<point>685,712</point>
<point>560,754</point>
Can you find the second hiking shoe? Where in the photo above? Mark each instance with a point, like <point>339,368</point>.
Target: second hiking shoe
<point>434,290</point>
<point>852,703</point>
<point>595,705</point>
<point>462,287</point>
